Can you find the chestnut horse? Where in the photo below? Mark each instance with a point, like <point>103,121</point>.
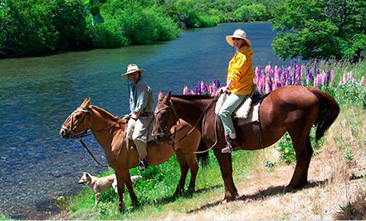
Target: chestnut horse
<point>109,131</point>
<point>290,108</point>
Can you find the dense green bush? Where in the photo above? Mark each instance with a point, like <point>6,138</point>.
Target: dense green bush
<point>255,12</point>
<point>35,26</point>
<point>321,29</point>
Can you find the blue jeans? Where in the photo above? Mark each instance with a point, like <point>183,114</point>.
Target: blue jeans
<point>227,110</point>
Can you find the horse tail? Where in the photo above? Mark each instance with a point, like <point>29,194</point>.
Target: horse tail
<point>328,112</point>
<point>204,156</point>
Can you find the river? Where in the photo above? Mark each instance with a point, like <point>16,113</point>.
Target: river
<point>38,93</point>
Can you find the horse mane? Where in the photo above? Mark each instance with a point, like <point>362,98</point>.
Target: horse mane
<point>104,112</point>
<point>194,97</point>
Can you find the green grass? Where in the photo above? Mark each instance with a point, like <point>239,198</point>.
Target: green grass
<point>155,191</point>
<point>3,217</point>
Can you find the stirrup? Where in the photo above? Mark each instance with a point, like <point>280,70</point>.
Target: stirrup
<point>227,149</point>
<point>142,165</point>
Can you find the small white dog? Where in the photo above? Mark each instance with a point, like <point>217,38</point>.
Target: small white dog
<point>102,184</point>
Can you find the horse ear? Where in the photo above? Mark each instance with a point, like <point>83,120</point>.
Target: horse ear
<point>82,104</point>
<point>169,95</point>
<point>87,102</point>
<point>160,96</point>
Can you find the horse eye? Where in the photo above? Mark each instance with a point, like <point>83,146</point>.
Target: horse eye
<point>77,116</point>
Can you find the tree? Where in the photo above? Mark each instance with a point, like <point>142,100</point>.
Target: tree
<point>321,29</point>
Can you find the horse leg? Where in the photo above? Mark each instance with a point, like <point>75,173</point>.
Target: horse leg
<point>227,174</point>
<point>129,185</point>
<point>183,173</point>
<point>303,151</point>
<point>193,166</point>
<point>120,190</point>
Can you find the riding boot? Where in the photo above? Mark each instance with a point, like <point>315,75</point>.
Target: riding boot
<point>231,145</point>
<point>143,165</point>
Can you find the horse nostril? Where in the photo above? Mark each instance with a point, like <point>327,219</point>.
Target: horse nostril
<point>63,133</point>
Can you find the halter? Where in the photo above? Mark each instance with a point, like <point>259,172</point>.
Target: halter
<point>171,106</point>
<point>72,128</point>
<point>84,133</point>
<point>159,125</point>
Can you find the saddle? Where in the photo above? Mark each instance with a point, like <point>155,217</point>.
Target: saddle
<point>247,112</point>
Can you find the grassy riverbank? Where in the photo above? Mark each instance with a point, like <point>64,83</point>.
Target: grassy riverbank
<point>337,187</point>
<point>337,177</point>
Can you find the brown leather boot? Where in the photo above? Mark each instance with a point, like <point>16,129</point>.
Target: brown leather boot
<point>231,145</point>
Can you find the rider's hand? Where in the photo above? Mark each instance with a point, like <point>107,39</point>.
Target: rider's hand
<point>134,116</point>
<point>224,90</point>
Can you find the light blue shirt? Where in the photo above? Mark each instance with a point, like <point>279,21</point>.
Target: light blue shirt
<point>141,98</point>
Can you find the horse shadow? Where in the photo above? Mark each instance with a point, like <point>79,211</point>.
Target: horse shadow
<point>262,194</point>
<point>172,198</point>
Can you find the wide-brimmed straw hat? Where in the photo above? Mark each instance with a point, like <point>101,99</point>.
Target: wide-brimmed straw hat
<point>238,33</point>
<point>132,68</point>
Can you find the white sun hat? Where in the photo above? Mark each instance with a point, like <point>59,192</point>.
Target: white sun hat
<point>238,33</point>
<point>132,68</point>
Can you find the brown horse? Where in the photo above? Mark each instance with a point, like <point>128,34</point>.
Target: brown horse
<point>290,108</point>
<point>109,131</point>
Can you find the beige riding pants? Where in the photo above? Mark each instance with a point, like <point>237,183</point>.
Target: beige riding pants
<point>140,132</point>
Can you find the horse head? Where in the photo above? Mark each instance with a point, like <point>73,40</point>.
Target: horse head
<point>78,122</point>
<point>165,118</point>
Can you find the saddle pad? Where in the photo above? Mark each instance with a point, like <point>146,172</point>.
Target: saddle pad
<point>246,112</point>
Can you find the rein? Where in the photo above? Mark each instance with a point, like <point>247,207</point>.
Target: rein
<point>85,133</point>
<point>189,132</point>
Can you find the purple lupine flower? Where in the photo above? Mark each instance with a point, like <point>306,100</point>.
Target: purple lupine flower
<point>327,78</point>
<point>204,88</point>
<point>261,84</point>
<point>323,77</point>
<point>191,92</point>
<point>216,82</point>
<point>302,73</point>
<point>362,82</point>
<point>268,85</point>
<point>316,81</point>
<point>197,90</point>
<point>257,74</point>
<point>340,82</point>
<point>332,76</point>
<point>308,77</point>
<point>344,78</point>
<point>185,90</point>
<point>267,69</point>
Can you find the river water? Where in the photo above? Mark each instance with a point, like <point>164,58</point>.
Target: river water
<point>37,94</point>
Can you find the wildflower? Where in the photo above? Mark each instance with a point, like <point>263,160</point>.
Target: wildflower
<point>185,90</point>
<point>362,82</point>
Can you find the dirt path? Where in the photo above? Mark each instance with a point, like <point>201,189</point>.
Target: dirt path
<point>332,183</point>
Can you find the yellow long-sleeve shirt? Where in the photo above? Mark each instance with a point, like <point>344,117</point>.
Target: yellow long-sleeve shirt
<point>241,72</point>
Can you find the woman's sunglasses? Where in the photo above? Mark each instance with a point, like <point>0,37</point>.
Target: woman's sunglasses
<point>236,39</point>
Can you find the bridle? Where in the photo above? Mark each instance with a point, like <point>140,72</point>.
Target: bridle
<point>71,128</point>
<point>84,133</point>
<point>156,113</point>
<point>171,136</point>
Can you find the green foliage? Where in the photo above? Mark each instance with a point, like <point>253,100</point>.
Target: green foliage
<point>36,26</point>
<point>321,29</point>
<point>255,12</point>
<point>351,94</point>
<point>286,149</point>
